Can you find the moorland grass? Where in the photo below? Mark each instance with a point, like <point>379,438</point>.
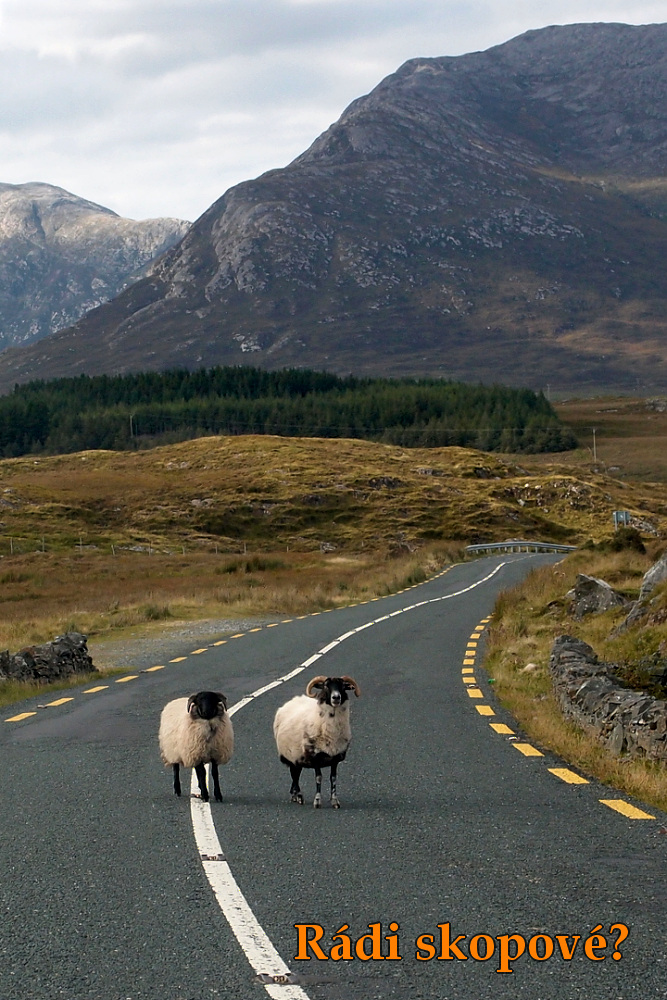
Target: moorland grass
<point>526,621</point>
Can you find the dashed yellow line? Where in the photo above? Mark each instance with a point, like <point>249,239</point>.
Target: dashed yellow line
<point>475,693</point>
<point>527,750</point>
<point>100,687</point>
<point>500,727</point>
<point>124,680</point>
<point>151,670</point>
<point>178,659</point>
<point>626,809</point>
<point>565,774</point>
<point>469,662</point>
<point>19,718</point>
<point>196,652</point>
<point>60,701</point>
<point>485,710</point>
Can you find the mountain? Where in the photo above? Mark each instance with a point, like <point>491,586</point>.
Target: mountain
<point>61,256</point>
<point>497,216</point>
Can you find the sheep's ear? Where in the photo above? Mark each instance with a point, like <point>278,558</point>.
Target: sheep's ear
<point>222,698</point>
<point>315,685</point>
<point>193,709</point>
<point>351,685</point>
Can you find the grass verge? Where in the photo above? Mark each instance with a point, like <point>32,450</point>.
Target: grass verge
<point>526,621</point>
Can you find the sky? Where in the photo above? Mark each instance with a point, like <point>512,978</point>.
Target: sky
<point>157,107</point>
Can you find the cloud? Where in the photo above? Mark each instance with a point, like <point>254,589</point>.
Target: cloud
<point>156,107</point>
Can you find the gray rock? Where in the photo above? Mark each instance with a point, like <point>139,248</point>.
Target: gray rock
<point>652,578</point>
<point>592,596</point>
<point>65,656</point>
<point>625,721</point>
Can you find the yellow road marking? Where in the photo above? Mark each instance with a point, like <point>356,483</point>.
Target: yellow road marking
<point>178,659</point>
<point>624,807</point>
<point>150,670</point>
<point>102,687</point>
<point>467,670</point>
<point>255,630</point>
<point>196,652</point>
<point>485,710</point>
<point>239,635</point>
<point>220,642</point>
<point>565,774</point>
<point>469,662</point>
<point>527,750</point>
<point>500,727</point>
<point>286,620</point>
<point>60,701</point>
<point>273,624</point>
<point>469,680</point>
<point>475,635</point>
<point>474,693</point>
<point>471,645</point>
<point>19,718</point>
<point>124,680</point>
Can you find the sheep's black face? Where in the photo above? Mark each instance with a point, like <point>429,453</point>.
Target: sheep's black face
<point>207,705</point>
<point>333,692</point>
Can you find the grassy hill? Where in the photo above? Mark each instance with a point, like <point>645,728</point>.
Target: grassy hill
<point>102,540</point>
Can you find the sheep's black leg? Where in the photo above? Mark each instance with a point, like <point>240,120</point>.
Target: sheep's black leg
<point>295,791</point>
<point>318,788</point>
<point>335,802</point>
<point>216,783</point>
<point>177,779</point>
<point>200,771</point>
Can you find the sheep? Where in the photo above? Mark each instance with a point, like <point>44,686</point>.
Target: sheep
<point>313,730</point>
<point>196,731</point>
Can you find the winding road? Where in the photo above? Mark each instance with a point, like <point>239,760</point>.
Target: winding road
<point>478,865</point>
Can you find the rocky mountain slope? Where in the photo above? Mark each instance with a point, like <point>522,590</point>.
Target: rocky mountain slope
<point>61,256</point>
<point>498,216</point>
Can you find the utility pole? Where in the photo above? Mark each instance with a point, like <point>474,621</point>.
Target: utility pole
<point>595,451</point>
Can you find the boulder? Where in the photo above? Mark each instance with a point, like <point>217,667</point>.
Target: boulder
<point>592,596</point>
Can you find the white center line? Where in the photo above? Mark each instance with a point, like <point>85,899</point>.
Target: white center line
<point>256,944</point>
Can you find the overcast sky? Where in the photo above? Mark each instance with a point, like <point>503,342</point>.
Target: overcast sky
<point>157,107</point>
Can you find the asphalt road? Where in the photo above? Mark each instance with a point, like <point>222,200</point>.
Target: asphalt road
<point>444,821</point>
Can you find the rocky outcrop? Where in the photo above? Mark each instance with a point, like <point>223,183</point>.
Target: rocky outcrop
<point>625,721</point>
<point>592,596</point>
<point>65,656</point>
<point>654,576</point>
<point>61,256</point>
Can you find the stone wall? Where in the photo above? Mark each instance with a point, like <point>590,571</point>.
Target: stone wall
<point>625,721</point>
<point>66,655</point>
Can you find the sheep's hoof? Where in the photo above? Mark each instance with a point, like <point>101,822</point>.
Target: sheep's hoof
<point>317,802</point>
<point>335,802</point>
<point>218,798</point>
<point>297,797</point>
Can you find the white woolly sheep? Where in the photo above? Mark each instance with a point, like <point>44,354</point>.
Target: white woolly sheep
<point>312,730</point>
<point>194,732</point>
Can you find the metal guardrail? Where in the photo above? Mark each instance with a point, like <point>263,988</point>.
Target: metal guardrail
<point>516,545</point>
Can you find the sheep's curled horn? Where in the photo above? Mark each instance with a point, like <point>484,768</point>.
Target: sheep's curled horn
<point>319,681</point>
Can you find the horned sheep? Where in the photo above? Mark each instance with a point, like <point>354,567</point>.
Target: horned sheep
<point>194,732</point>
<point>312,730</point>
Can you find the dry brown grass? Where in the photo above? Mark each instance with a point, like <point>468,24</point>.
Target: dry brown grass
<point>526,622</point>
<point>43,595</point>
<point>630,438</point>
